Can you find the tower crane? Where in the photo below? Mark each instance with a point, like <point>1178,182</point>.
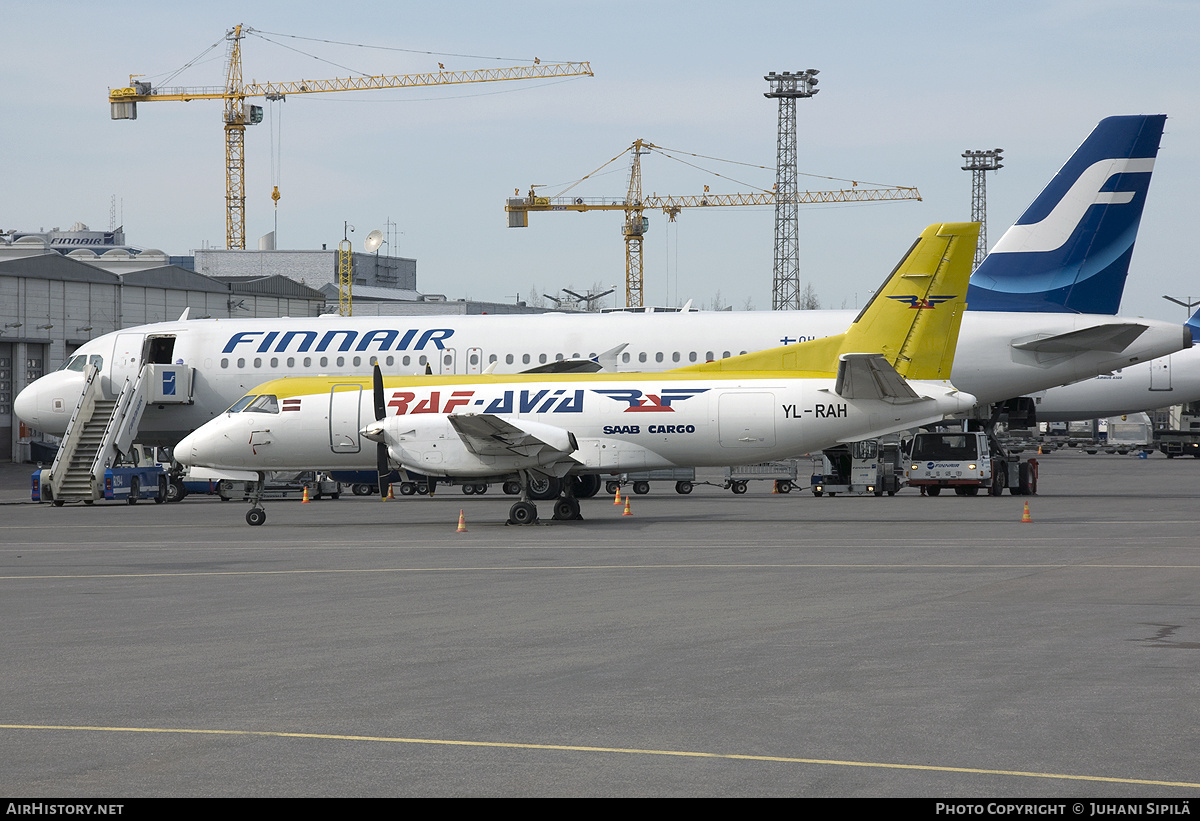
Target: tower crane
<point>238,114</point>
<point>634,204</point>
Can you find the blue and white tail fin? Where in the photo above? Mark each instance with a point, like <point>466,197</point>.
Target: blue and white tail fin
<point>1070,250</point>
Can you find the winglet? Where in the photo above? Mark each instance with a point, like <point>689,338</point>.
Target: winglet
<point>913,319</point>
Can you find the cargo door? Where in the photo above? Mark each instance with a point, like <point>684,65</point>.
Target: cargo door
<point>746,420</point>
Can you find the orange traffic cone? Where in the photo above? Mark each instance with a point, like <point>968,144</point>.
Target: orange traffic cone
<point>1025,516</point>
<point>390,495</point>
<point>617,498</point>
<point>304,499</point>
<point>775,486</point>
<point>462,522</point>
<point>627,512</point>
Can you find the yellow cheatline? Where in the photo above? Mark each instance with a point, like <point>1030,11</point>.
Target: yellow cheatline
<point>512,745</point>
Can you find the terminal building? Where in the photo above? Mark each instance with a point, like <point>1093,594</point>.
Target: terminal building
<point>60,289</point>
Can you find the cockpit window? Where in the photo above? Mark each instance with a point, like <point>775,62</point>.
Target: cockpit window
<point>267,403</point>
<point>75,363</point>
<point>237,406</point>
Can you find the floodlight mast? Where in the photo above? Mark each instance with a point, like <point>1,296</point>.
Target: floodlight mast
<point>979,163</point>
<point>787,88</point>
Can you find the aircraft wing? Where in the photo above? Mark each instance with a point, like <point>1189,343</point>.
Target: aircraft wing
<point>870,376</point>
<point>1112,336</point>
<point>486,434</point>
<point>606,361</point>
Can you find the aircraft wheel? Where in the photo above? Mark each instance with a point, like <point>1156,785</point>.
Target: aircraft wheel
<point>175,490</point>
<point>542,488</point>
<point>740,487</point>
<point>587,485</point>
<point>933,490</point>
<point>641,488</point>
<point>683,487</point>
<point>256,516</point>
<point>135,489</point>
<point>522,513</point>
<point>512,488</point>
<point>566,509</point>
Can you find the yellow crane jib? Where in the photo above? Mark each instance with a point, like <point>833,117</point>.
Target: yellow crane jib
<point>237,114</point>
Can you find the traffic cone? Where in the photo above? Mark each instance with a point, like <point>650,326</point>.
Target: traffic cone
<point>775,486</point>
<point>390,495</point>
<point>462,522</point>
<point>627,512</point>
<point>617,498</point>
<point>1025,516</point>
<point>304,499</point>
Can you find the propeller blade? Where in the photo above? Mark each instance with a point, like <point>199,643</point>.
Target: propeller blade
<point>381,459</point>
<point>380,406</point>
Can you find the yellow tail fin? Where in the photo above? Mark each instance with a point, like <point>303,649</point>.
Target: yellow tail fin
<point>913,319</point>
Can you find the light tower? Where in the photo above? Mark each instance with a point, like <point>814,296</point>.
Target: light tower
<point>787,87</point>
<point>979,163</point>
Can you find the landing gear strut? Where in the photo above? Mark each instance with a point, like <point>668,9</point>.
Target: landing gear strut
<point>256,515</point>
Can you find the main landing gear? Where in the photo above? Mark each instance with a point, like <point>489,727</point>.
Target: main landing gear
<point>566,506</point>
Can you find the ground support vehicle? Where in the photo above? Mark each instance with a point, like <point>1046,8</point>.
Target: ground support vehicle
<point>869,466</point>
<point>122,484</point>
<point>783,473</point>
<point>967,461</point>
<point>684,479</point>
<point>1178,442</point>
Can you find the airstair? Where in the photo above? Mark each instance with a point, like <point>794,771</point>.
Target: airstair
<point>100,429</point>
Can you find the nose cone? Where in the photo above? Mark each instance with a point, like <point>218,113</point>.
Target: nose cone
<point>186,449</point>
<point>48,402</point>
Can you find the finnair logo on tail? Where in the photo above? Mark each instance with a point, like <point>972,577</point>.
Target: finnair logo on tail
<point>1056,228</point>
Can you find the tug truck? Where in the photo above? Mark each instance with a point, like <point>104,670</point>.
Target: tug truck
<point>966,461</point>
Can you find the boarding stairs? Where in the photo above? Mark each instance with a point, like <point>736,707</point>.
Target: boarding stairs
<point>100,429</point>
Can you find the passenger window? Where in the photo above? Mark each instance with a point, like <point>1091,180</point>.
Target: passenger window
<point>692,356</point>
<point>224,363</point>
<point>542,359</point>
<point>525,359</point>
<point>258,361</point>
<point>658,357</point>
<point>642,356</point>
<point>241,363</point>
<point>274,362</point>
<point>625,358</point>
<point>291,362</point>
<point>675,356</point>
<point>508,360</point>
<point>308,361</point>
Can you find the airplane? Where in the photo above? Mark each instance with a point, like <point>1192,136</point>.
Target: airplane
<point>1011,342</point>
<point>887,372</point>
<point>1168,380</point>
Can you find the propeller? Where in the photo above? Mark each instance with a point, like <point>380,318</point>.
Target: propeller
<point>381,451</point>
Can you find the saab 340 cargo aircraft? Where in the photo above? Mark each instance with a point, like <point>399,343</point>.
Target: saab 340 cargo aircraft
<point>886,373</point>
<point>1025,330</point>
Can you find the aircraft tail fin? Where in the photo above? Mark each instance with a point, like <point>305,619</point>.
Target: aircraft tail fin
<point>913,319</point>
<point>1070,250</point>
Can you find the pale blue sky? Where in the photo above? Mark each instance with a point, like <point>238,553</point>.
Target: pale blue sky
<point>906,87</point>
